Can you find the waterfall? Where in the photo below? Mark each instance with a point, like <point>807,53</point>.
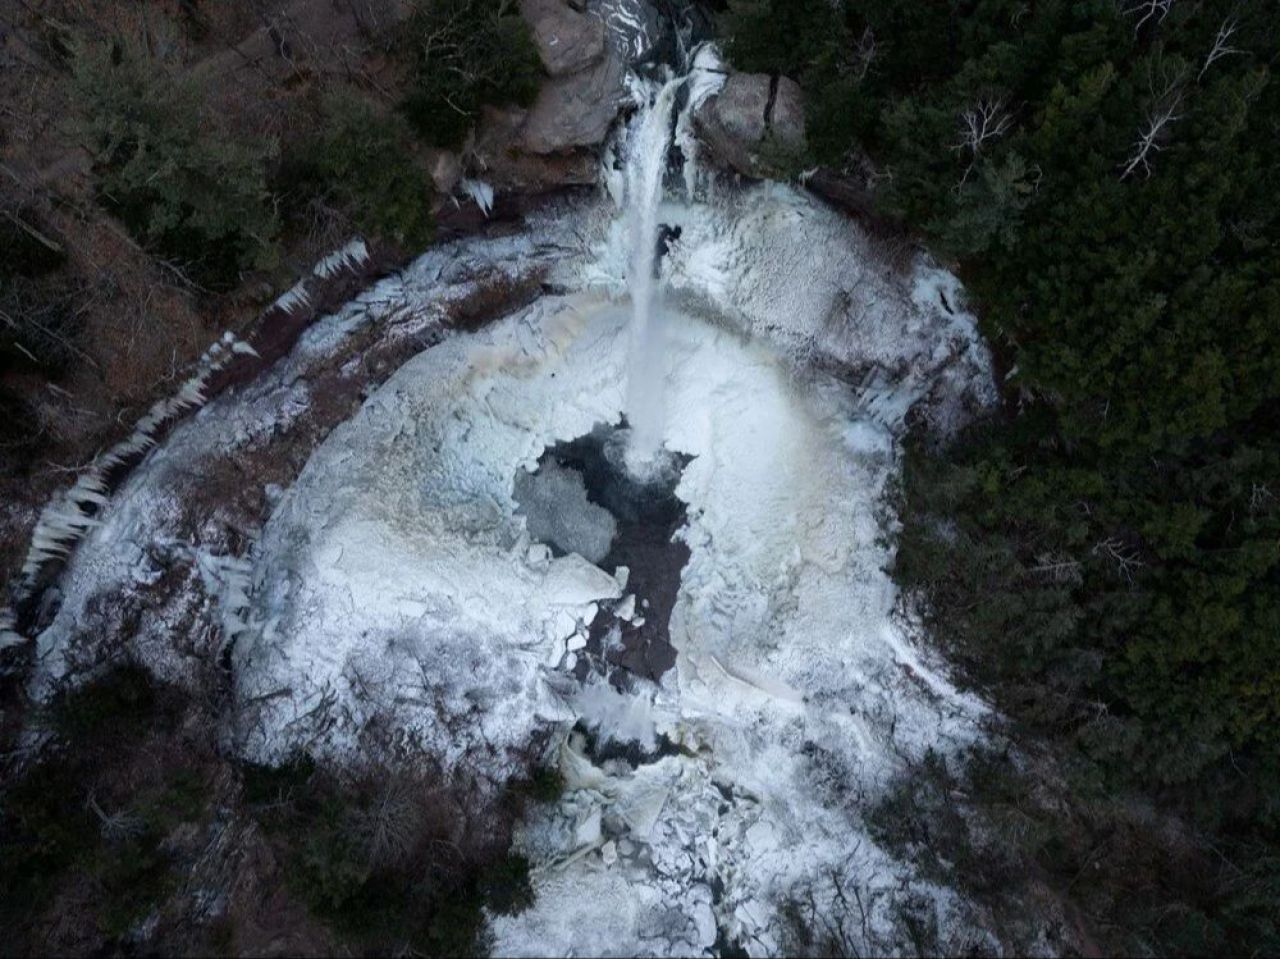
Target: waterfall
<point>646,163</point>
<point>651,134</point>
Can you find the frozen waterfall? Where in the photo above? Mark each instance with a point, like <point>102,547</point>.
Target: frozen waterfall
<point>646,163</point>
<point>404,580</point>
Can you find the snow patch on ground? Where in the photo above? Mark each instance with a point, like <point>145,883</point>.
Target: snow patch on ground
<point>397,582</point>
<point>145,529</point>
<point>779,265</point>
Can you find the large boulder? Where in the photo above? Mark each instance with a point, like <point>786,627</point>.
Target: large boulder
<point>576,110</point>
<point>754,125</point>
<point>567,40</point>
<point>498,156</point>
<point>585,51</point>
<point>638,32</point>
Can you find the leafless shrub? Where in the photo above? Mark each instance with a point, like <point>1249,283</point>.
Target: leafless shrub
<point>1146,10</point>
<point>980,124</point>
<point>118,826</point>
<point>392,824</point>
<point>1166,100</point>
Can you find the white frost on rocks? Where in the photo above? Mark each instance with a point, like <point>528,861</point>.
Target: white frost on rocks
<point>796,695</point>
<point>394,585</point>
<point>395,580</point>
<point>143,528</point>
<point>779,265</point>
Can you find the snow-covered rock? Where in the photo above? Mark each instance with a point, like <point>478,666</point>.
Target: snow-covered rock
<point>567,39</point>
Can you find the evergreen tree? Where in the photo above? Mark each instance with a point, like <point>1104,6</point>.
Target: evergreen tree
<point>186,190</point>
<point>1104,553</point>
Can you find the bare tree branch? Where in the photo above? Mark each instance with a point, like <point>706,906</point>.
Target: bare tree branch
<point>1164,110</point>
<point>1159,9</point>
<point>1220,45</point>
<point>1124,556</point>
<point>982,123</point>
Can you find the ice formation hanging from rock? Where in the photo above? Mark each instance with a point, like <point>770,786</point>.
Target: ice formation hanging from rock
<point>70,514</point>
<point>67,516</point>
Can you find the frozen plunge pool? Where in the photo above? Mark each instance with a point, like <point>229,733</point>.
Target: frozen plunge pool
<point>399,583</point>
<point>724,676</point>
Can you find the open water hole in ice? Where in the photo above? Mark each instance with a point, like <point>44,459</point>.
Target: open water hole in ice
<point>582,498</point>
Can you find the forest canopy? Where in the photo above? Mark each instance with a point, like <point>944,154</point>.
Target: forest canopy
<point>1104,554</point>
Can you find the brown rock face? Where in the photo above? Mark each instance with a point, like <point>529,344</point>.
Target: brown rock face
<point>576,110</point>
<point>754,124</point>
<point>446,170</point>
<point>567,40</point>
<point>502,160</point>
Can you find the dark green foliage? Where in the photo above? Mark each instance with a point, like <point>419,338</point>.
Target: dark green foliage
<point>998,831</point>
<point>505,886</point>
<point>546,785</point>
<point>813,43</point>
<point>85,811</point>
<point>1104,555</point>
<point>1115,542</point>
<point>27,252</point>
<point>37,322</point>
<point>465,54</point>
<point>390,860</point>
<point>120,704</point>
<point>363,161</point>
<point>269,785</point>
<point>186,190</point>
<point>45,830</point>
<point>794,37</point>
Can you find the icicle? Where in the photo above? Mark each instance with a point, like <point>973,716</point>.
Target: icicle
<point>705,79</point>
<point>48,546</point>
<point>89,488</point>
<point>296,296</point>
<point>354,254</point>
<point>64,519</point>
<point>9,635</point>
<point>227,580</point>
<point>192,392</point>
<point>479,191</point>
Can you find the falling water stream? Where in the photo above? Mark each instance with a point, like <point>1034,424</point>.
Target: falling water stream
<point>646,164</point>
